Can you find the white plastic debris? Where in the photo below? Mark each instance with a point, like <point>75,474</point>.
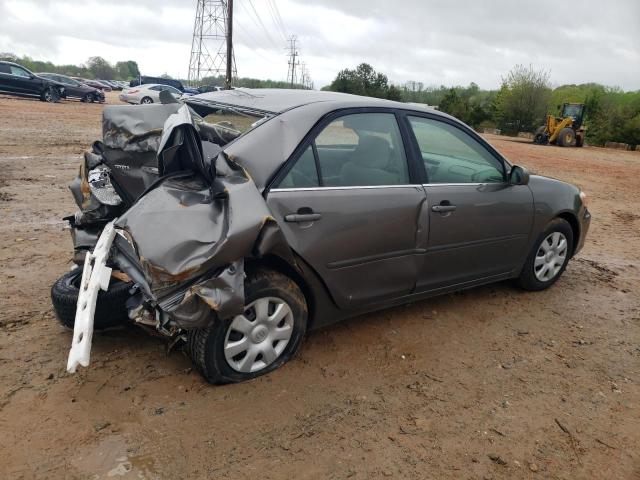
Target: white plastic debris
<point>95,276</point>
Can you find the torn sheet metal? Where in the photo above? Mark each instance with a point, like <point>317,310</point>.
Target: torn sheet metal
<point>135,128</point>
<point>193,230</point>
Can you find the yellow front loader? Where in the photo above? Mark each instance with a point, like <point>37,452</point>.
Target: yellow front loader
<point>564,131</point>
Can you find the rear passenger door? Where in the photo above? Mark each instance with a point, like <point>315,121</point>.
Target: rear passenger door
<point>7,82</point>
<point>23,81</point>
<point>351,206</point>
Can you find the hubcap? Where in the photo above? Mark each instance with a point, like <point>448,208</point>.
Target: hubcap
<point>258,337</point>
<point>550,257</point>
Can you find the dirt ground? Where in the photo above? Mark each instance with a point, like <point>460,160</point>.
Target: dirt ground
<point>491,383</point>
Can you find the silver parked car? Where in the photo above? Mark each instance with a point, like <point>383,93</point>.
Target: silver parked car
<point>147,93</point>
<point>279,211</point>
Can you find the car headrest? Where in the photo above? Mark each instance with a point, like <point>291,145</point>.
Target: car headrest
<point>372,151</point>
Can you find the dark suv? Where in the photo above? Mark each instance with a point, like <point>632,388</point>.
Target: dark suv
<point>15,79</point>
<point>75,89</point>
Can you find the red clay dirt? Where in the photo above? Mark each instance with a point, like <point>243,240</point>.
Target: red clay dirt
<point>492,382</point>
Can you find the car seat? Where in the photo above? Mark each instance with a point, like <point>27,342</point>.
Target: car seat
<point>368,163</point>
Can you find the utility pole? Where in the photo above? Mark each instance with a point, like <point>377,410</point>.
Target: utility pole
<point>293,63</point>
<point>229,76</point>
<point>212,45</point>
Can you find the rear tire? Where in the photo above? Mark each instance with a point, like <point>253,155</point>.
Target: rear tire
<point>567,137</point>
<point>146,101</point>
<point>110,308</point>
<point>539,137</point>
<point>50,95</point>
<point>210,348</point>
<point>532,278</point>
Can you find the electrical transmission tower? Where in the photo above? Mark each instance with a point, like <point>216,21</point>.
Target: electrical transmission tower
<point>212,45</point>
<point>292,74</point>
<point>305,76</point>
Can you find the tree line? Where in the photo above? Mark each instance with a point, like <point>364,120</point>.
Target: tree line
<point>95,67</point>
<point>521,103</point>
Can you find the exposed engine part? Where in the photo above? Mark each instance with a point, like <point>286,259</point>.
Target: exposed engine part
<point>101,187</point>
<point>142,316</point>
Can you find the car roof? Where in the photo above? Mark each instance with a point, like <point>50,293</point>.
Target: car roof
<point>264,149</point>
<point>6,62</point>
<point>149,85</point>
<point>276,100</point>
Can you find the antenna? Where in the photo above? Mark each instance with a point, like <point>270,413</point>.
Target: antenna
<point>212,45</point>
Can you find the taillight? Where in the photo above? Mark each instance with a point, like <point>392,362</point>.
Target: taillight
<point>133,91</point>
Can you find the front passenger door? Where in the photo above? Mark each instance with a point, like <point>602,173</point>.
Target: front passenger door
<point>479,224</point>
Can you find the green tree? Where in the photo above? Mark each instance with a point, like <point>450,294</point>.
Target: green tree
<point>100,68</point>
<point>522,100</point>
<point>364,80</point>
<point>127,70</point>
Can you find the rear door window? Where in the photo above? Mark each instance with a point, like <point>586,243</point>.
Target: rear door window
<point>363,149</point>
<point>304,173</point>
<point>19,72</point>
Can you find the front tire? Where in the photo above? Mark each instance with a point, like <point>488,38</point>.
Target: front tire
<point>548,258</point>
<point>567,137</point>
<point>263,338</point>
<point>110,307</point>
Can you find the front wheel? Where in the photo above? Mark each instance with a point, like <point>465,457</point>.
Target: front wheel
<point>264,337</point>
<point>567,137</point>
<point>549,257</point>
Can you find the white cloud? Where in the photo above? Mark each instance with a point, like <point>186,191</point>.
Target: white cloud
<point>435,41</point>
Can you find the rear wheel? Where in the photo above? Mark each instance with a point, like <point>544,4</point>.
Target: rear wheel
<point>567,137</point>
<point>50,95</point>
<point>549,257</point>
<point>110,307</point>
<point>264,337</point>
<point>146,101</point>
<point>539,137</point>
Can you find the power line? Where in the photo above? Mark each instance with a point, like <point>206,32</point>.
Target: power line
<point>260,23</point>
<point>256,46</point>
<point>279,26</point>
<point>274,5</point>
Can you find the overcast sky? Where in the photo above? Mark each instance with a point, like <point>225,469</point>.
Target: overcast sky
<point>433,41</point>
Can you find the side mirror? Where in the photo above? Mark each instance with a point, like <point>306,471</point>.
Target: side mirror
<point>518,176</point>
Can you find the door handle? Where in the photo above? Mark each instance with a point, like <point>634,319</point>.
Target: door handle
<point>302,217</point>
<point>443,208</point>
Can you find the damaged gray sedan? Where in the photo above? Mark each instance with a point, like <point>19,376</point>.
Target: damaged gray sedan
<point>240,220</point>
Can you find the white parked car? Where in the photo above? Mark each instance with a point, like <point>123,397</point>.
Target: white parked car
<point>147,93</point>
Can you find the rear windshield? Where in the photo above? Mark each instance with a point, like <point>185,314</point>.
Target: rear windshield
<point>224,123</point>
